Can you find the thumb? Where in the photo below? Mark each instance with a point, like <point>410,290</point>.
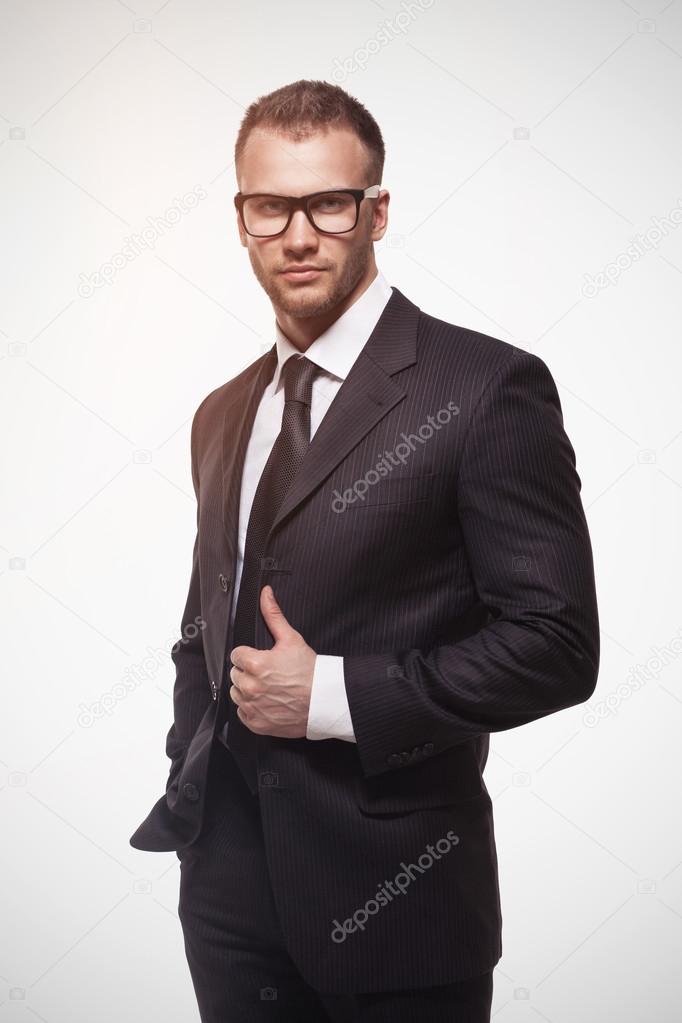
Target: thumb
<point>274,616</point>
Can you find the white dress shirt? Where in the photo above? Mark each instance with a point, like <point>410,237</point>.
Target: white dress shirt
<point>334,352</point>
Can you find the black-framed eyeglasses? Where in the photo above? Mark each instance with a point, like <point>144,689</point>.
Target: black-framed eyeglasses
<point>334,212</point>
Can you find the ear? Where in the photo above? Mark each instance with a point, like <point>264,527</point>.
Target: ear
<point>380,215</point>
<point>243,236</point>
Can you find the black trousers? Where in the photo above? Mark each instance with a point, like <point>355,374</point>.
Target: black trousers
<point>234,944</point>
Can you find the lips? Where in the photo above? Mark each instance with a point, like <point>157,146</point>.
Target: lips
<point>300,269</point>
<point>301,275</point>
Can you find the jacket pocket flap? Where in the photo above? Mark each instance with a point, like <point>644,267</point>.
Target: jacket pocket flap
<point>442,780</point>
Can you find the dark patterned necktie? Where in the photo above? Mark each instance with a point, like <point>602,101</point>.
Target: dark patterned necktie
<point>287,452</point>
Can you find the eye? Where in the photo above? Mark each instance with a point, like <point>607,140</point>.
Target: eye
<point>270,206</point>
<point>335,202</point>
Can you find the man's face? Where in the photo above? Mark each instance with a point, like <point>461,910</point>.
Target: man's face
<point>276,164</point>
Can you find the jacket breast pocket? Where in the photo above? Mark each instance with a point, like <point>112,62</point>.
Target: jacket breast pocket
<point>390,490</point>
<point>442,780</point>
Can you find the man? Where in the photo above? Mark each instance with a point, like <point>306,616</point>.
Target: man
<point>391,562</point>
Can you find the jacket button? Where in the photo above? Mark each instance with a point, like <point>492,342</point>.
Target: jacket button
<point>224,582</point>
<point>395,760</point>
<point>190,791</point>
<point>268,563</point>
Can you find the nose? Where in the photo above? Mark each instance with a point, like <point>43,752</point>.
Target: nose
<point>300,234</point>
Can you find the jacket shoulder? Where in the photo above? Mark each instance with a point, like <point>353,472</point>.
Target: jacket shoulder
<point>212,406</point>
<point>468,352</point>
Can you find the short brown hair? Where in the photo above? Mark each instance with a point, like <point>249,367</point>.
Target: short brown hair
<point>300,109</point>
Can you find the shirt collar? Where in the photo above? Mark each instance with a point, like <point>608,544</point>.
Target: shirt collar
<point>338,347</point>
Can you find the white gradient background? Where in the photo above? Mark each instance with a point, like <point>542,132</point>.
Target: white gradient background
<point>527,144</point>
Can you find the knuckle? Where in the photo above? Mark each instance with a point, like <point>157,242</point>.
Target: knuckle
<point>253,664</point>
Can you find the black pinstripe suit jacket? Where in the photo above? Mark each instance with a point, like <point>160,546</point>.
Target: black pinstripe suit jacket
<point>435,538</point>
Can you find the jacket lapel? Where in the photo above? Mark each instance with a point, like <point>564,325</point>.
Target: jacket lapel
<point>366,395</point>
<point>236,431</point>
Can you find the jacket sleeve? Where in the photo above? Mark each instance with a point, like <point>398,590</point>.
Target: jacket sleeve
<point>528,549</point>
<point>191,690</point>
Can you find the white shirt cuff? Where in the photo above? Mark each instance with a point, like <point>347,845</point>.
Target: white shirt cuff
<point>329,714</point>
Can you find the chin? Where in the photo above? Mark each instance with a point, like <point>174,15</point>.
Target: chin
<point>299,301</point>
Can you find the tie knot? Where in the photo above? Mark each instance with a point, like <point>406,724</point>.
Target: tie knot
<point>298,379</point>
